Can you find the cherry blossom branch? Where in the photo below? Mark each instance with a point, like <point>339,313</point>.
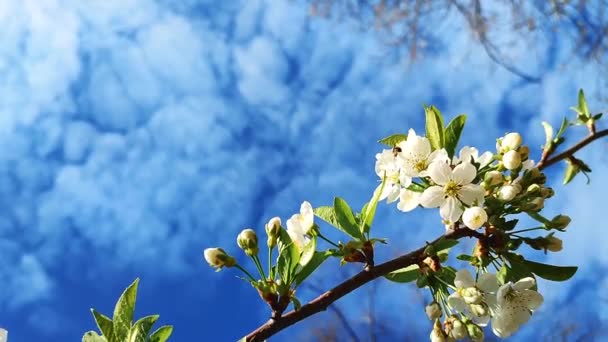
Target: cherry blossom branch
<point>322,302</point>
<point>546,162</point>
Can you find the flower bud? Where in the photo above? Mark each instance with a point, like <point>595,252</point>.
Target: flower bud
<point>474,217</point>
<point>533,189</point>
<point>559,222</point>
<point>511,160</point>
<point>511,141</point>
<point>524,152</point>
<point>554,244</point>
<point>471,295</point>
<point>508,192</point>
<point>248,241</point>
<point>273,229</point>
<point>437,334</point>
<point>217,258</point>
<point>536,204</point>
<point>547,192</point>
<point>475,332</point>
<point>459,330</point>
<point>433,311</point>
<point>493,178</point>
<point>479,309</point>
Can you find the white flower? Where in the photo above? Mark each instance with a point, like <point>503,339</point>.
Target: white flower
<point>511,141</point>
<point>508,192</point>
<point>474,299</point>
<point>300,224</point>
<point>3,335</point>
<point>390,166</point>
<point>466,153</point>
<point>474,217</point>
<point>511,160</point>
<point>453,187</point>
<point>408,200</point>
<point>515,303</point>
<point>416,155</point>
<point>433,311</point>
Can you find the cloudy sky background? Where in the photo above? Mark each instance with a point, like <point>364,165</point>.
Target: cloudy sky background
<point>134,134</point>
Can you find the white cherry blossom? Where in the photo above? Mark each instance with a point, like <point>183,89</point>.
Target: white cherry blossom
<point>466,153</point>
<point>416,155</point>
<point>453,188</point>
<point>389,165</point>
<point>300,224</point>
<point>474,299</point>
<point>514,306</point>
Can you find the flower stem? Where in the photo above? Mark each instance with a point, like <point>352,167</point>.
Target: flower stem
<point>445,283</point>
<point>526,230</point>
<point>245,271</point>
<point>328,240</point>
<point>270,275</point>
<point>258,264</point>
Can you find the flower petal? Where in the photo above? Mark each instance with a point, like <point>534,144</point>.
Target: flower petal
<point>450,210</point>
<point>307,216</point>
<point>524,284</point>
<point>457,302</point>
<point>432,197</point>
<point>408,200</point>
<point>532,299</point>
<point>464,173</point>
<point>440,172</point>
<point>464,279</point>
<point>471,193</point>
<point>487,282</point>
<point>393,193</point>
<point>485,159</point>
<point>440,155</point>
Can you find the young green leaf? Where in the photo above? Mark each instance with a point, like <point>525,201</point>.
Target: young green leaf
<point>369,210</point>
<point>393,140</point>
<point>346,219</point>
<point>582,105</point>
<point>92,336</point>
<point>572,169</point>
<point>140,329</point>
<point>123,312</point>
<point>434,127</point>
<point>551,272</point>
<point>104,324</point>
<point>549,146</point>
<point>296,303</point>
<point>288,259</point>
<point>404,275</point>
<point>162,334</point>
<point>316,261</point>
<point>453,132</point>
<point>327,214</point>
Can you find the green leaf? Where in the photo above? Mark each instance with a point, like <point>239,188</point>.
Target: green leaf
<point>289,256</point>
<point>92,336</point>
<point>346,219</point>
<point>404,275</point>
<point>444,244</point>
<point>551,272</point>
<point>308,252</point>
<point>453,132</point>
<point>327,214</point>
<point>162,334</point>
<point>139,331</point>
<point>393,140</point>
<point>434,127</point>
<point>316,261</point>
<point>582,105</point>
<point>548,137</point>
<point>296,303</point>
<point>369,210</point>
<point>562,129</point>
<point>571,171</point>
<point>123,312</point>
<point>502,274</point>
<point>104,324</point>
<point>465,257</point>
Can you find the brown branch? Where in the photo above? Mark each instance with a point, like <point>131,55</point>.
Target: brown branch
<point>572,150</point>
<point>322,302</point>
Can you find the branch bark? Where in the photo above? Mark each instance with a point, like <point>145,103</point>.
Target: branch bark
<point>322,302</point>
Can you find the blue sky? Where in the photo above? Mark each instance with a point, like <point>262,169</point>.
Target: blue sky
<point>135,133</point>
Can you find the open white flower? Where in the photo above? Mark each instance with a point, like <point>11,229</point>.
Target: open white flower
<point>514,306</point>
<point>390,165</point>
<point>416,155</point>
<point>3,335</point>
<point>453,187</point>
<point>408,200</point>
<point>474,299</point>
<point>300,224</point>
<point>466,153</point>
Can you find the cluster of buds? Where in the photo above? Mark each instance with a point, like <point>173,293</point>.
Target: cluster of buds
<point>454,329</point>
<point>511,151</point>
